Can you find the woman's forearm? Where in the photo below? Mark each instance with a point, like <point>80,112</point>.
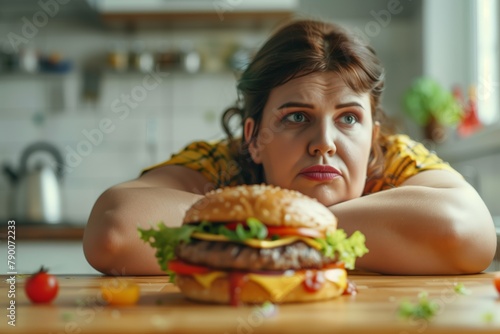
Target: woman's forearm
<point>421,230</point>
<point>111,241</point>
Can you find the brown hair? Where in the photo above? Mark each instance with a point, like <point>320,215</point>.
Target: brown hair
<point>298,49</point>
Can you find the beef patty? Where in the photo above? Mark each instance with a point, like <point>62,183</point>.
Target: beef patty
<point>227,255</point>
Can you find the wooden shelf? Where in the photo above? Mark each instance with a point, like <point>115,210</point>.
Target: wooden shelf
<point>211,19</point>
<point>46,232</point>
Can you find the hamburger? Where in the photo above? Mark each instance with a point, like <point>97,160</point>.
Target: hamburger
<point>255,244</point>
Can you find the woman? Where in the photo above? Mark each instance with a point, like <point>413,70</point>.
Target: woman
<point>312,121</point>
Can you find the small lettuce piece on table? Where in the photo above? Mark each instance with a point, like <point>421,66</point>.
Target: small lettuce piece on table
<point>423,309</point>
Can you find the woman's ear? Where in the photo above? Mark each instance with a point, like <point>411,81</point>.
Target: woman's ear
<point>248,130</point>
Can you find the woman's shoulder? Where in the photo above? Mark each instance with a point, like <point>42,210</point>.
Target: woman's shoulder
<point>214,159</point>
<point>219,149</point>
<point>399,146</point>
<point>201,145</point>
<point>403,158</point>
<point>399,140</point>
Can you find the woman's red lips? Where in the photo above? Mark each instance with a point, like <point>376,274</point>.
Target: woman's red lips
<point>320,173</point>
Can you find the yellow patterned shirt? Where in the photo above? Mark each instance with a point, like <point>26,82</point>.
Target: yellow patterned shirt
<point>403,158</point>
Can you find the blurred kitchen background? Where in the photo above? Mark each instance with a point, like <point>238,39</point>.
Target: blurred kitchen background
<point>92,92</point>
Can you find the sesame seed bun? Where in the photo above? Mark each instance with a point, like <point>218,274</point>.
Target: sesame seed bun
<point>271,205</point>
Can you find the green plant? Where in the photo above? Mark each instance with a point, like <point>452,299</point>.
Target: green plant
<point>427,100</point>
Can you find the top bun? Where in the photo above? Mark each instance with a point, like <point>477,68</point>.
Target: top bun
<point>271,205</point>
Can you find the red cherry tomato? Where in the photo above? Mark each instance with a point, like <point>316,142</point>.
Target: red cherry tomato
<point>314,280</point>
<point>41,287</point>
<point>496,281</point>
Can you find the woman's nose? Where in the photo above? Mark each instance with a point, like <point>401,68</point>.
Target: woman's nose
<point>323,141</point>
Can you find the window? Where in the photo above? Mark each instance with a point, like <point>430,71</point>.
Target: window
<point>488,69</point>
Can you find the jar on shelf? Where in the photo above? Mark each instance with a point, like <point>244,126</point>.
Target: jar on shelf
<point>118,58</point>
<point>140,59</point>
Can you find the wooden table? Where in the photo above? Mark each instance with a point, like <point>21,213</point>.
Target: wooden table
<point>161,309</point>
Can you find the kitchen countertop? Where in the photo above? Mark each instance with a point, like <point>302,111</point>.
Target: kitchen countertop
<point>161,308</point>
<point>62,231</point>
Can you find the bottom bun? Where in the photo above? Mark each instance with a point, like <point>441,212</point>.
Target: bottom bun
<point>258,288</point>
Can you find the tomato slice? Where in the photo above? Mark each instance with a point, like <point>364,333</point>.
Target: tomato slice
<point>232,226</point>
<point>283,231</point>
<point>184,268</point>
<point>298,231</point>
<point>336,265</point>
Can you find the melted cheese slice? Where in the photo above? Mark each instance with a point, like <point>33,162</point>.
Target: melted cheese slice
<point>280,285</point>
<point>256,243</point>
<point>337,276</point>
<point>207,279</point>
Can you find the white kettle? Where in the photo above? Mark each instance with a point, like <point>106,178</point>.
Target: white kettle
<point>36,189</point>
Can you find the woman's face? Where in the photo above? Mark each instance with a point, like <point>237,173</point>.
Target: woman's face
<point>315,137</point>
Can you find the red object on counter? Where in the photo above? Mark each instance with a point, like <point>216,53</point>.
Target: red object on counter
<point>41,287</point>
<point>470,123</point>
<point>351,289</point>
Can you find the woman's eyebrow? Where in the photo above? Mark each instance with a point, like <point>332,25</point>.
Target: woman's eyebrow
<point>310,106</point>
<point>349,104</point>
<point>296,105</point>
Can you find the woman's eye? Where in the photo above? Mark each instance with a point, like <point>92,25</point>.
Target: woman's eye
<point>295,117</point>
<point>349,119</point>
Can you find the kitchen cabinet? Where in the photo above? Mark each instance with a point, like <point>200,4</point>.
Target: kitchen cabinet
<point>59,256</point>
<point>495,265</point>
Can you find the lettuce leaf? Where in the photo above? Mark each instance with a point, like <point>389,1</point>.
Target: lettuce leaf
<point>165,239</point>
<point>256,230</point>
<point>337,245</point>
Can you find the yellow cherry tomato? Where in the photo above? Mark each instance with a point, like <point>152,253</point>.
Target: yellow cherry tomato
<point>120,292</point>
